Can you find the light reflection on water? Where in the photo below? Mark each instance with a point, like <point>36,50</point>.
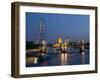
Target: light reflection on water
<point>64,58</point>
<point>55,59</point>
<point>31,60</point>
<point>83,57</point>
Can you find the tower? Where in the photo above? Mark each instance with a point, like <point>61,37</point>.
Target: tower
<point>82,46</point>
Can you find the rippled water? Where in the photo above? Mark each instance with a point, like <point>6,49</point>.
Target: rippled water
<point>55,59</point>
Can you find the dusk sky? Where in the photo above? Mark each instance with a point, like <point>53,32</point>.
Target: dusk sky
<point>76,27</point>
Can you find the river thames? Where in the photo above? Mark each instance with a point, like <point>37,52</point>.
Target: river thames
<point>74,57</point>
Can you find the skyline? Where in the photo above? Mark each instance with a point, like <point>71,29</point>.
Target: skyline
<point>76,27</point>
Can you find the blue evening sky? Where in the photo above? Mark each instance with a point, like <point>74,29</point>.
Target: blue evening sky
<point>76,27</point>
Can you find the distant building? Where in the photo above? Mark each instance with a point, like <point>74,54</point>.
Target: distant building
<point>59,43</point>
<point>62,44</point>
